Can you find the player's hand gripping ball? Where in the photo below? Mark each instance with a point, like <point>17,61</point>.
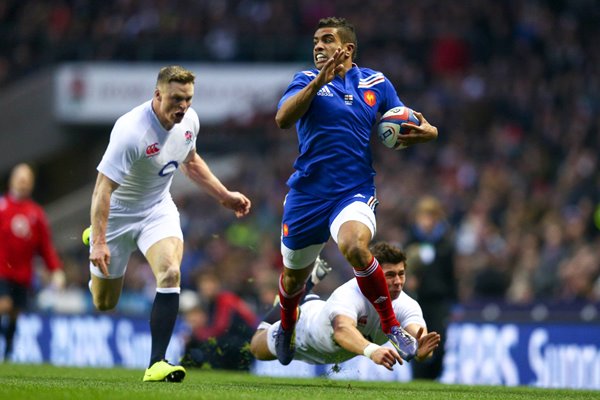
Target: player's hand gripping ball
<point>390,126</point>
<point>85,236</point>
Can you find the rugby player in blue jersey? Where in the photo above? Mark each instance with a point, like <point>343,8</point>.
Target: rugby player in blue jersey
<point>332,191</point>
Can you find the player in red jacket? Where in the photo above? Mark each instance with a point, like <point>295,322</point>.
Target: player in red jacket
<point>24,233</point>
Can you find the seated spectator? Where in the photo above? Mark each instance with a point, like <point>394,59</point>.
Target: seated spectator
<point>221,326</point>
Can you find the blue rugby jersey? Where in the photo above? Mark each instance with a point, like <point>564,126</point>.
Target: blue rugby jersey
<point>334,134</point>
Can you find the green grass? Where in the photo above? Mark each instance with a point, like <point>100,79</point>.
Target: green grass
<point>39,382</point>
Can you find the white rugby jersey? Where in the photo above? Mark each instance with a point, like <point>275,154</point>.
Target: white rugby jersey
<point>142,155</point>
<point>314,330</point>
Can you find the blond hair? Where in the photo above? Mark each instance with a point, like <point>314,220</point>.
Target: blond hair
<point>174,73</point>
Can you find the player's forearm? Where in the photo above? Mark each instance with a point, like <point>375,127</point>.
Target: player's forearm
<point>296,106</point>
<point>198,172</point>
<point>100,208</point>
<point>350,339</point>
<point>99,217</point>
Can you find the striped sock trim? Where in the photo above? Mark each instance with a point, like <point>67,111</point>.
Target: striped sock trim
<point>285,294</point>
<point>361,273</point>
<point>169,290</point>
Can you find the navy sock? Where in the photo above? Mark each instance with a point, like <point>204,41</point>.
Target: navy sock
<point>273,315</point>
<point>162,322</point>
<point>9,335</point>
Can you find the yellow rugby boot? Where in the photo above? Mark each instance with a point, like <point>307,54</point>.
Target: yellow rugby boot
<point>162,371</point>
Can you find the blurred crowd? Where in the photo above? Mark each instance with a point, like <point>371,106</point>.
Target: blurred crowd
<point>513,87</point>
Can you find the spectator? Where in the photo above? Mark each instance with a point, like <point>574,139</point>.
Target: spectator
<point>25,233</point>
<point>221,327</point>
<point>431,244</point>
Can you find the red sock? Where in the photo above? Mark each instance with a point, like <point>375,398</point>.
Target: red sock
<point>373,286</point>
<point>288,304</point>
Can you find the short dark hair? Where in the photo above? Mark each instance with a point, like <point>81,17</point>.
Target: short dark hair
<point>345,30</point>
<point>174,73</point>
<point>386,253</point>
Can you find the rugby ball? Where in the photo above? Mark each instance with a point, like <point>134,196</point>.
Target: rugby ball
<point>390,126</point>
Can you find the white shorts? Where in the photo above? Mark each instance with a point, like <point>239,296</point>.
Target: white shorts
<point>129,229</point>
<point>314,343</point>
<point>357,211</point>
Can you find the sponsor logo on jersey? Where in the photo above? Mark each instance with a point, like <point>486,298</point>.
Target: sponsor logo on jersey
<point>370,97</point>
<point>169,168</point>
<point>324,91</point>
<point>152,150</point>
<point>188,137</point>
<point>348,99</point>
<point>20,227</point>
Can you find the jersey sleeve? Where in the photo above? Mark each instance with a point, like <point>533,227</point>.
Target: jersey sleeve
<point>120,154</point>
<point>301,79</point>
<point>390,97</point>
<point>346,300</point>
<point>46,248</point>
<point>408,311</point>
<point>195,126</point>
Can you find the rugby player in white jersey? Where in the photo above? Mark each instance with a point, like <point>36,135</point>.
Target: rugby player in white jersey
<point>132,207</point>
<point>347,324</point>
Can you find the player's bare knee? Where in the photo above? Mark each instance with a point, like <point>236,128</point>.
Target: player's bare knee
<point>355,253</point>
<point>169,278</point>
<point>6,305</point>
<point>292,284</point>
<point>259,347</point>
<point>294,280</point>
<point>254,346</point>
<point>104,304</point>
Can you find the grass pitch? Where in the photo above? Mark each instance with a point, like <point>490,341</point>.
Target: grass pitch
<point>39,382</point>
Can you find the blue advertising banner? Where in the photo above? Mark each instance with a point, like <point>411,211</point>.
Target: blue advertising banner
<point>551,355</point>
<point>544,355</point>
<point>88,340</point>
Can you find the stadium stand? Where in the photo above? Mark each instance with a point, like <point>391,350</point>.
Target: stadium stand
<point>512,86</point>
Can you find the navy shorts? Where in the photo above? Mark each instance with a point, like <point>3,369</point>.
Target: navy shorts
<point>18,293</point>
<point>307,219</point>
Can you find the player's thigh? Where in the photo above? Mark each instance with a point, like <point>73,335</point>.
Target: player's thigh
<point>165,255</point>
<point>300,259</point>
<point>160,236</point>
<point>355,220</point>
<point>305,229</point>
<point>161,241</point>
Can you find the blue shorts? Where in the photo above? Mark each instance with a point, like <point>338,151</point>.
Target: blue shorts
<point>307,219</point>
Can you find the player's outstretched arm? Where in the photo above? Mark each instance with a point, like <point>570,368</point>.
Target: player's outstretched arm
<point>348,337</point>
<point>428,341</point>
<point>295,107</point>
<point>100,254</point>
<point>196,169</point>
